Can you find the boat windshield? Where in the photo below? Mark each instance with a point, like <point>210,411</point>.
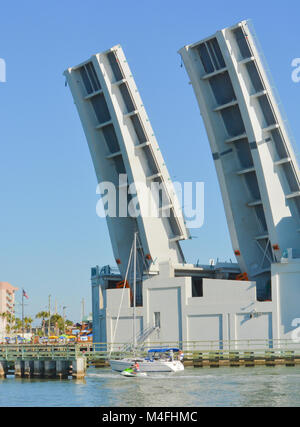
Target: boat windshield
<point>162,353</point>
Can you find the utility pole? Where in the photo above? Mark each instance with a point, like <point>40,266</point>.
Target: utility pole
<point>49,307</point>
<point>82,310</point>
<point>23,313</point>
<point>64,317</point>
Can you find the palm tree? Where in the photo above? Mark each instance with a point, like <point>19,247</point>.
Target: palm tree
<point>3,315</point>
<point>69,323</point>
<point>10,320</point>
<point>43,315</point>
<point>27,322</point>
<point>56,321</point>
<point>18,325</point>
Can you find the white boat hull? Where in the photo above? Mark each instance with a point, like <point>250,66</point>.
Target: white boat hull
<point>147,365</point>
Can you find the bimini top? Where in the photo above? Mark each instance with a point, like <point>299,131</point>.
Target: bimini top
<point>162,350</point>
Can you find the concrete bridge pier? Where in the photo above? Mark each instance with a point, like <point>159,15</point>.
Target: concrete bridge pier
<point>62,368</point>
<point>38,368</point>
<point>19,368</point>
<point>3,368</point>
<point>50,368</point>
<point>28,368</point>
<point>79,367</point>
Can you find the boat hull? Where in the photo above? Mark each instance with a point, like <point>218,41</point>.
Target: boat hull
<point>147,365</point>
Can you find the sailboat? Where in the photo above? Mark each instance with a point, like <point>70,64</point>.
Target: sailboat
<point>157,360</point>
<point>148,364</point>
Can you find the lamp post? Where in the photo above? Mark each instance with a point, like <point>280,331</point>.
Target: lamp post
<point>82,310</point>
<point>64,317</point>
<point>22,313</point>
<point>49,315</point>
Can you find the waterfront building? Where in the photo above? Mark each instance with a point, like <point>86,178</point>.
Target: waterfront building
<point>7,304</point>
<point>189,303</point>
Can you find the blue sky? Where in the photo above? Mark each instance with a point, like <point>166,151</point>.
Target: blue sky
<point>49,232</point>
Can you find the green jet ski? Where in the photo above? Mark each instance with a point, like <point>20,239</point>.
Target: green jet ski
<point>129,372</point>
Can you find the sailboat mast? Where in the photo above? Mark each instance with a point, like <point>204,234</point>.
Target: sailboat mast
<point>134,293</point>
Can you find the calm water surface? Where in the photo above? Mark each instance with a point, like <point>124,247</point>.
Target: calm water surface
<point>259,386</point>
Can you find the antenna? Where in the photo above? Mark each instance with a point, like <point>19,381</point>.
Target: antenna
<point>82,310</point>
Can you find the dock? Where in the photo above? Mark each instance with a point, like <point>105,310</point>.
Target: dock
<point>72,360</point>
<point>42,361</point>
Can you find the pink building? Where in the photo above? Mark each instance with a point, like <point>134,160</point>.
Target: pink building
<point>7,303</point>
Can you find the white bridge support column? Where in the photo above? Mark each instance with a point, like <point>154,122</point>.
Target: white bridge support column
<point>79,367</point>
<point>3,368</point>
<point>28,368</point>
<point>38,368</point>
<point>19,368</point>
<point>286,294</point>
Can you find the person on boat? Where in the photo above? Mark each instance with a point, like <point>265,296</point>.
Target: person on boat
<point>135,367</point>
<point>181,356</point>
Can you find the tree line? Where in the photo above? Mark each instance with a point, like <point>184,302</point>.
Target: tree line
<point>15,324</point>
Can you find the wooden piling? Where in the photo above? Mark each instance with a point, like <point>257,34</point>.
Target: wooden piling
<point>198,360</point>
<point>214,360</point>
<point>249,358</point>
<point>50,368</point>
<point>234,358</point>
<point>28,368</point>
<point>38,368</point>
<point>19,368</point>
<point>62,368</point>
<point>289,358</point>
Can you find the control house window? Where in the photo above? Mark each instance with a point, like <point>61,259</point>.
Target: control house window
<point>197,287</point>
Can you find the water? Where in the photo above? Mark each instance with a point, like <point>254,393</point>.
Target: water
<point>259,386</point>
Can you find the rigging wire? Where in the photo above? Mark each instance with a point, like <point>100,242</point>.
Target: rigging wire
<point>127,270</point>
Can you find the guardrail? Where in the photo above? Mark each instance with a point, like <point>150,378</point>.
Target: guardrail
<point>11,352</point>
<point>217,345</point>
<point>199,351</point>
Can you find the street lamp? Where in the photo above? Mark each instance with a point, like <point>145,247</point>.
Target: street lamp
<point>64,317</point>
<point>49,316</point>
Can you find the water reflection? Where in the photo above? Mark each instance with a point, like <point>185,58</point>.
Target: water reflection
<point>260,386</point>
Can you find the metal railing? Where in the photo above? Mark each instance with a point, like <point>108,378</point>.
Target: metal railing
<point>214,345</point>
<point>191,349</point>
<point>140,338</point>
<point>12,352</point>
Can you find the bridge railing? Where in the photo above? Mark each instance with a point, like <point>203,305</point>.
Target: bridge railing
<point>211,345</point>
<point>37,351</point>
<point>101,351</point>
